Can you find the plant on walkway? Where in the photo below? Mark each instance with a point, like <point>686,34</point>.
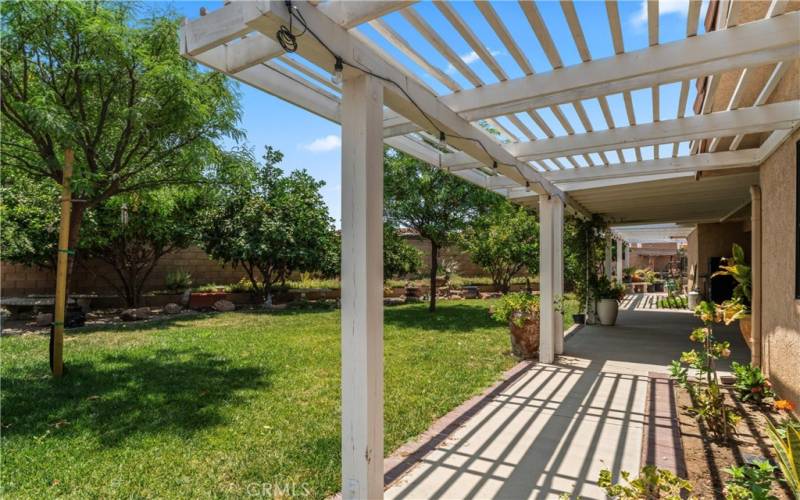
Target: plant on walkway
<point>786,440</point>
<point>738,306</point>
<point>751,481</point>
<point>704,387</point>
<point>584,245</point>
<point>516,307</point>
<point>604,288</point>
<point>751,385</point>
<point>651,483</point>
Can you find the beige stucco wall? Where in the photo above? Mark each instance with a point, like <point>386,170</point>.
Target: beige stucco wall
<point>780,324</point>
<point>713,240</point>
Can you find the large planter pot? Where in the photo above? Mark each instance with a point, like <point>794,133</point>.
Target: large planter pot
<point>693,300</point>
<point>525,338</point>
<point>607,310</point>
<point>746,327</point>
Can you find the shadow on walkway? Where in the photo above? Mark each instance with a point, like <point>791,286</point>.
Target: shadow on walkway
<point>557,426</point>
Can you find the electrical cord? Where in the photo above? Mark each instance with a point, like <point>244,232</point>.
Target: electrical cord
<point>288,41</point>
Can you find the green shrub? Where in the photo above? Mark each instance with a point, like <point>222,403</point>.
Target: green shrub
<point>751,385</point>
<point>178,280</point>
<point>651,483</point>
<point>516,307</point>
<point>750,481</point>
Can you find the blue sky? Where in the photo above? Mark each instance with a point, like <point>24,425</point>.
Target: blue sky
<point>310,142</point>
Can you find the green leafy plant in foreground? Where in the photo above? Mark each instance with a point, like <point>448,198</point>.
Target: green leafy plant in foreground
<point>704,387</point>
<point>786,440</point>
<point>516,307</point>
<point>651,483</point>
<point>750,481</point>
<point>751,385</point>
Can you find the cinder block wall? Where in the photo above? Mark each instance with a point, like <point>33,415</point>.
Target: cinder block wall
<point>18,280</point>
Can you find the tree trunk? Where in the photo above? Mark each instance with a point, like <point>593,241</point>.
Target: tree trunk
<point>434,270</point>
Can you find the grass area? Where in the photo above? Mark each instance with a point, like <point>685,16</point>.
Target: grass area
<point>673,302</point>
<point>209,406</point>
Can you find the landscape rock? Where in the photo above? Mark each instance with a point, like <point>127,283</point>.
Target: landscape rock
<point>135,314</point>
<point>491,295</point>
<point>44,319</point>
<point>224,306</point>
<point>172,308</point>
<point>393,301</point>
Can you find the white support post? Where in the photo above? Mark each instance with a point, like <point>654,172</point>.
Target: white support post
<point>558,271</point>
<point>362,288</point>
<point>607,263</point>
<point>546,274</point>
<point>620,245</point>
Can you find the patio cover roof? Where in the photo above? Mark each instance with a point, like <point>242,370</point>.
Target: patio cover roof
<point>240,40</point>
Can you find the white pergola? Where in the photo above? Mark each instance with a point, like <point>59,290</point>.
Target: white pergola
<point>382,101</point>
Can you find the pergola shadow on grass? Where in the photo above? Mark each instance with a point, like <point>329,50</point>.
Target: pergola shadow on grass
<point>171,391</point>
<point>211,405</point>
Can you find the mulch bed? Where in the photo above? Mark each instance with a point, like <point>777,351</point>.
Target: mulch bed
<point>705,459</point>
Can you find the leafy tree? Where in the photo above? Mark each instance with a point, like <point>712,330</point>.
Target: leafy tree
<point>399,258</point>
<point>132,232</point>
<point>434,203</point>
<point>269,223</point>
<point>29,211</point>
<point>90,76</point>
<point>504,242</point>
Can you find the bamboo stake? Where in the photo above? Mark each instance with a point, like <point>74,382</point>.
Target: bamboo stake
<point>61,269</point>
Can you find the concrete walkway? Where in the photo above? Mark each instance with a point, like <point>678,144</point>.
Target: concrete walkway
<point>557,426</point>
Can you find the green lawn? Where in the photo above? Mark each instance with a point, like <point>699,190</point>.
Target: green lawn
<point>209,406</point>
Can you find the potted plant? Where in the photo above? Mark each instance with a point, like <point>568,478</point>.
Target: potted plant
<point>738,306</point>
<point>608,294</point>
<point>521,311</point>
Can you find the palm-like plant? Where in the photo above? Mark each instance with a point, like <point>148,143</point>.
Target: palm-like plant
<point>786,441</point>
<point>738,306</point>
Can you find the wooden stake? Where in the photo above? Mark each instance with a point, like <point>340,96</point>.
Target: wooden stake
<point>61,269</point>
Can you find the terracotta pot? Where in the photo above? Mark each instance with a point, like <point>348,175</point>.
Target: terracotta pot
<point>525,338</point>
<point>746,327</point>
<point>607,310</point>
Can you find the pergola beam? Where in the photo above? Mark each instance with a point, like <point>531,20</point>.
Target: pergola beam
<point>700,162</point>
<point>351,13</point>
<point>770,117</point>
<point>749,45</point>
<point>403,95</point>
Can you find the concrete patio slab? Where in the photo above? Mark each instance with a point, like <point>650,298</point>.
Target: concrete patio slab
<point>556,426</point>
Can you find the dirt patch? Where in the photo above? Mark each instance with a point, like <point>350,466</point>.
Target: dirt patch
<point>705,459</point>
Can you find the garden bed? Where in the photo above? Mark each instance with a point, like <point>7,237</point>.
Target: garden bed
<point>706,460</point>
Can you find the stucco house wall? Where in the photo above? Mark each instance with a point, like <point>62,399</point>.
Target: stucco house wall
<point>713,240</point>
<point>780,319</point>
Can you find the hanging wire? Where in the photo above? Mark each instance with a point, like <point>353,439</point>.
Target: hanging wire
<point>288,41</point>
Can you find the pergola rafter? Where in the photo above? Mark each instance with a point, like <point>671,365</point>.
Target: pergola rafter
<point>384,101</point>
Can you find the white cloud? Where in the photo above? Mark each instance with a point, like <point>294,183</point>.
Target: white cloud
<point>469,58</point>
<point>323,144</point>
<point>664,7</point>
